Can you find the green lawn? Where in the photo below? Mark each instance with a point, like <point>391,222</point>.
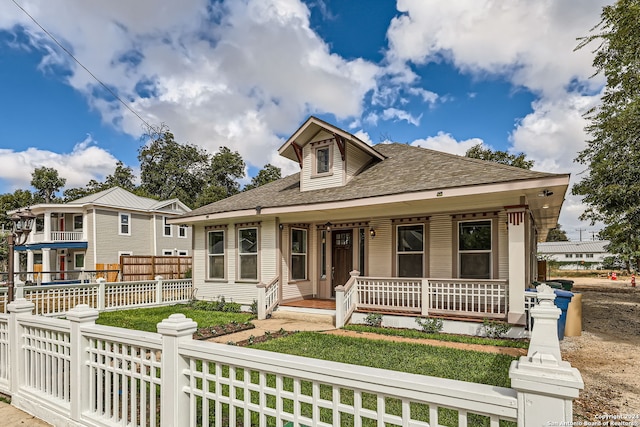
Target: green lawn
<point>415,333</point>
<point>147,319</point>
<point>444,362</point>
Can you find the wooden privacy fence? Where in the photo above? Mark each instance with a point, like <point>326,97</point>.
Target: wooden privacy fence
<point>147,267</point>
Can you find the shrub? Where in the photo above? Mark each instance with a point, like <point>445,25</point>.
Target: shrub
<point>254,307</point>
<point>373,319</point>
<point>231,307</point>
<point>495,329</point>
<point>430,326</point>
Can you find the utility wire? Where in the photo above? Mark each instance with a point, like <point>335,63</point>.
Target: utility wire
<point>80,64</point>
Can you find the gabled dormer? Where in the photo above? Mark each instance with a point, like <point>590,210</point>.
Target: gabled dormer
<point>328,156</point>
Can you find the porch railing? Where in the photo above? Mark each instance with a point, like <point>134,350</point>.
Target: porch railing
<point>346,300</point>
<point>530,300</point>
<point>485,298</point>
<point>268,297</point>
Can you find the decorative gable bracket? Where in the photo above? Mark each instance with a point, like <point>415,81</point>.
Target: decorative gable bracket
<point>341,144</point>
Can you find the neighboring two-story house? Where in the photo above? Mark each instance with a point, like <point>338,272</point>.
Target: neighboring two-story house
<point>421,227</point>
<point>98,229</point>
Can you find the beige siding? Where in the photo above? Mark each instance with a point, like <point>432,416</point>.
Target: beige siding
<point>440,246</point>
<point>336,179</point>
<point>380,249</point>
<point>268,250</point>
<point>356,159</point>
<point>110,242</point>
<point>89,261</point>
<point>199,257</point>
<point>503,247</point>
<point>164,242</point>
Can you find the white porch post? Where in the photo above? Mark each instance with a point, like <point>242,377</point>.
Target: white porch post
<point>47,226</point>
<point>46,264</point>
<point>516,222</point>
<point>546,385</point>
<point>30,264</point>
<point>16,267</point>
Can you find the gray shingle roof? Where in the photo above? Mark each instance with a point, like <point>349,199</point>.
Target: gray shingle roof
<point>407,169</point>
<point>118,197</point>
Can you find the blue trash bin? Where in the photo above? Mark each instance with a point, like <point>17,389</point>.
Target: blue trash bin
<point>563,298</point>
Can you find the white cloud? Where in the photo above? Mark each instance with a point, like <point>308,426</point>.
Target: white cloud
<point>238,75</point>
<point>531,43</point>
<point>396,114</point>
<point>447,143</point>
<point>87,161</point>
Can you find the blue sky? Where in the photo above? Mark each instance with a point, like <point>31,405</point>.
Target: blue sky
<point>246,73</point>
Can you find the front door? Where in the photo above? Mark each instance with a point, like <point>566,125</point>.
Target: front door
<point>341,259</point>
<point>62,261</point>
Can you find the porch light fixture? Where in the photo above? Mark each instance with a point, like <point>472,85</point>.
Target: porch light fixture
<point>372,232</point>
<point>22,226</point>
<point>327,226</point>
<point>545,206</point>
<point>545,193</point>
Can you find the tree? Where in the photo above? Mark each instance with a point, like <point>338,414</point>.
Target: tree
<point>517,160</point>
<point>46,182</point>
<point>557,235</point>
<point>169,169</point>
<point>122,177</point>
<point>266,175</point>
<point>611,190</point>
<point>225,169</point>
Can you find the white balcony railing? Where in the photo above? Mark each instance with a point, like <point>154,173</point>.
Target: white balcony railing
<point>66,236</point>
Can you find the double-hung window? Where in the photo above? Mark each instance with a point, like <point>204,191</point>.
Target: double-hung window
<point>124,224</point>
<point>410,250</point>
<point>77,222</point>
<point>298,254</point>
<point>248,253</point>
<point>216,254</point>
<point>167,230</point>
<point>182,231</point>
<point>474,249</point>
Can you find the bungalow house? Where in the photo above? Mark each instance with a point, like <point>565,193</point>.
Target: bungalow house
<point>411,229</point>
<point>589,254</point>
<point>98,229</point>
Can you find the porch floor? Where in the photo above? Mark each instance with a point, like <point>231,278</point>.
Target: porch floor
<point>322,304</point>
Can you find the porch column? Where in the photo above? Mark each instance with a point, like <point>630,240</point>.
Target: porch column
<point>516,220</point>
<point>30,264</point>
<point>47,226</point>
<point>16,267</point>
<point>46,264</point>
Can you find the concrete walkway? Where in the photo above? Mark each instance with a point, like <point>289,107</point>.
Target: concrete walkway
<point>288,321</point>
<point>11,416</point>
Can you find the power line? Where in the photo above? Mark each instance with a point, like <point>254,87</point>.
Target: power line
<point>80,64</point>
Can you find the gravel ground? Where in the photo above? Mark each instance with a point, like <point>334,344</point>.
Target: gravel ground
<point>607,352</point>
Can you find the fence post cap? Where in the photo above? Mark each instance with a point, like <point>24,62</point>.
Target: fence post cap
<point>177,325</point>
<point>159,277</point>
<point>354,273</point>
<point>20,305</point>
<point>101,280</point>
<point>82,313</point>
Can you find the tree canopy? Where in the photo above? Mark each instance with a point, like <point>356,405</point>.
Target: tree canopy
<point>611,189</point>
<point>518,160</point>
<point>47,183</point>
<point>557,235</point>
<point>268,174</point>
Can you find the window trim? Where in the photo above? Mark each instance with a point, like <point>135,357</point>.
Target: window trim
<point>493,252</point>
<point>424,252</point>
<point>120,223</point>
<point>239,254</point>
<point>81,216</point>
<point>304,254</point>
<point>183,252</point>
<point>75,260</point>
<point>223,255</point>
<point>181,229</point>
<point>164,227</point>
<point>314,169</point>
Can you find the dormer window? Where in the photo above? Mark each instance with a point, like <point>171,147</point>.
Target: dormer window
<point>323,159</point>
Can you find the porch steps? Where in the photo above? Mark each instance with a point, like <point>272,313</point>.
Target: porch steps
<point>312,315</point>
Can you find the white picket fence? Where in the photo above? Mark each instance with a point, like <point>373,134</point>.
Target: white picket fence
<point>76,373</point>
<point>56,300</point>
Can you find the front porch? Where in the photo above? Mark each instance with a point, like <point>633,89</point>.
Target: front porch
<point>466,300</point>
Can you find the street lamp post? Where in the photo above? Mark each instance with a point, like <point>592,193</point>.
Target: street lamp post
<point>22,225</point>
